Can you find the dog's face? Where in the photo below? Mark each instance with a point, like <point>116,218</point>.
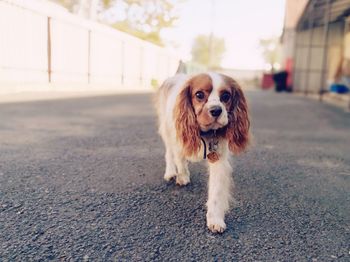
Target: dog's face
<point>211,99</point>
<point>210,102</point>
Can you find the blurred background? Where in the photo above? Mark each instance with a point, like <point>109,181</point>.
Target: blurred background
<point>123,45</point>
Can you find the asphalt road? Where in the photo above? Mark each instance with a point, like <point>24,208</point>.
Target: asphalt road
<point>81,180</point>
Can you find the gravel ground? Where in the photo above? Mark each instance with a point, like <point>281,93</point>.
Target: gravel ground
<point>81,180</point>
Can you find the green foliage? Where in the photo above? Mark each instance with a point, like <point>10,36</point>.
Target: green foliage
<point>145,18</point>
<point>142,18</point>
<point>154,83</point>
<point>69,4</point>
<point>208,50</point>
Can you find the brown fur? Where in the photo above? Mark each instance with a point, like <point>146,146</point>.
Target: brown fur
<point>237,132</point>
<point>201,82</point>
<point>188,131</point>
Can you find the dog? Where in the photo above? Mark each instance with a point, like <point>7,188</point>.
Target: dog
<point>204,116</point>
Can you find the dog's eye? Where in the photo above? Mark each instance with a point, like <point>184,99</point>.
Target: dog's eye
<point>225,97</point>
<point>200,95</point>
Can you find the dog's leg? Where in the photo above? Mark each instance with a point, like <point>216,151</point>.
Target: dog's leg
<point>170,169</point>
<point>183,174</point>
<point>219,194</point>
<point>176,164</point>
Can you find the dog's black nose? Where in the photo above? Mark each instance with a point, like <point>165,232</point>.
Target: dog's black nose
<point>215,111</point>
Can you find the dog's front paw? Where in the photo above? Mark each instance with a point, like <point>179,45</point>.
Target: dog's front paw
<point>216,225</point>
<point>169,176</point>
<point>182,180</point>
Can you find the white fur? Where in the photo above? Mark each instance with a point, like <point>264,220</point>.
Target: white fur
<point>220,172</point>
<point>219,191</point>
<point>214,98</point>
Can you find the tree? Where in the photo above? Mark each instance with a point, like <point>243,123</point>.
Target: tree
<point>208,50</point>
<point>142,18</point>
<point>271,52</point>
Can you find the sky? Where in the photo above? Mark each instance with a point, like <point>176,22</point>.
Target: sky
<point>240,22</point>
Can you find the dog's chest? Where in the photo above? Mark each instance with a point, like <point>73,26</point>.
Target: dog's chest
<point>209,150</point>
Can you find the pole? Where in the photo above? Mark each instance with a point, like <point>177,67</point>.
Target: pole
<point>122,80</point>
<point>211,36</point>
<point>89,57</point>
<point>308,60</point>
<point>49,69</point>
<point>325,49</point>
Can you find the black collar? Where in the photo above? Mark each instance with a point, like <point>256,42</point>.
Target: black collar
<point>205,148</point>
<point>212,132</point>
<point>207,133</point>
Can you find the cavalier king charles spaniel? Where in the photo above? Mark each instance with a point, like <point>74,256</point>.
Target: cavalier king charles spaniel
<point>203,116</point>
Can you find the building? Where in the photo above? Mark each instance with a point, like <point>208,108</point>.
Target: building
<point>293,11</point>
<point>316,44</point>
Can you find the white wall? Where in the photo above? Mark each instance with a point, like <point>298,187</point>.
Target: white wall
<point>82,52</point>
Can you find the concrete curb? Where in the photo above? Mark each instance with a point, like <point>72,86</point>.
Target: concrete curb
<point>339,100</point>
<point>30,96</point>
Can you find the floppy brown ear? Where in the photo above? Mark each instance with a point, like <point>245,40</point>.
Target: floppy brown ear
<point>187,128</point>
<point>237,132</point>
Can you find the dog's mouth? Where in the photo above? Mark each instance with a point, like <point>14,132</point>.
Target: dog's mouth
<point>212,126</point>
<point>207,122</point>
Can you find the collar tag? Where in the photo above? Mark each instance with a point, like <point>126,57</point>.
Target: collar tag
<point>213,146</point>
<point>213,157</point>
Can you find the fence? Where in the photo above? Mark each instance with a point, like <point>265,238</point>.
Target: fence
<point>42,44</point>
